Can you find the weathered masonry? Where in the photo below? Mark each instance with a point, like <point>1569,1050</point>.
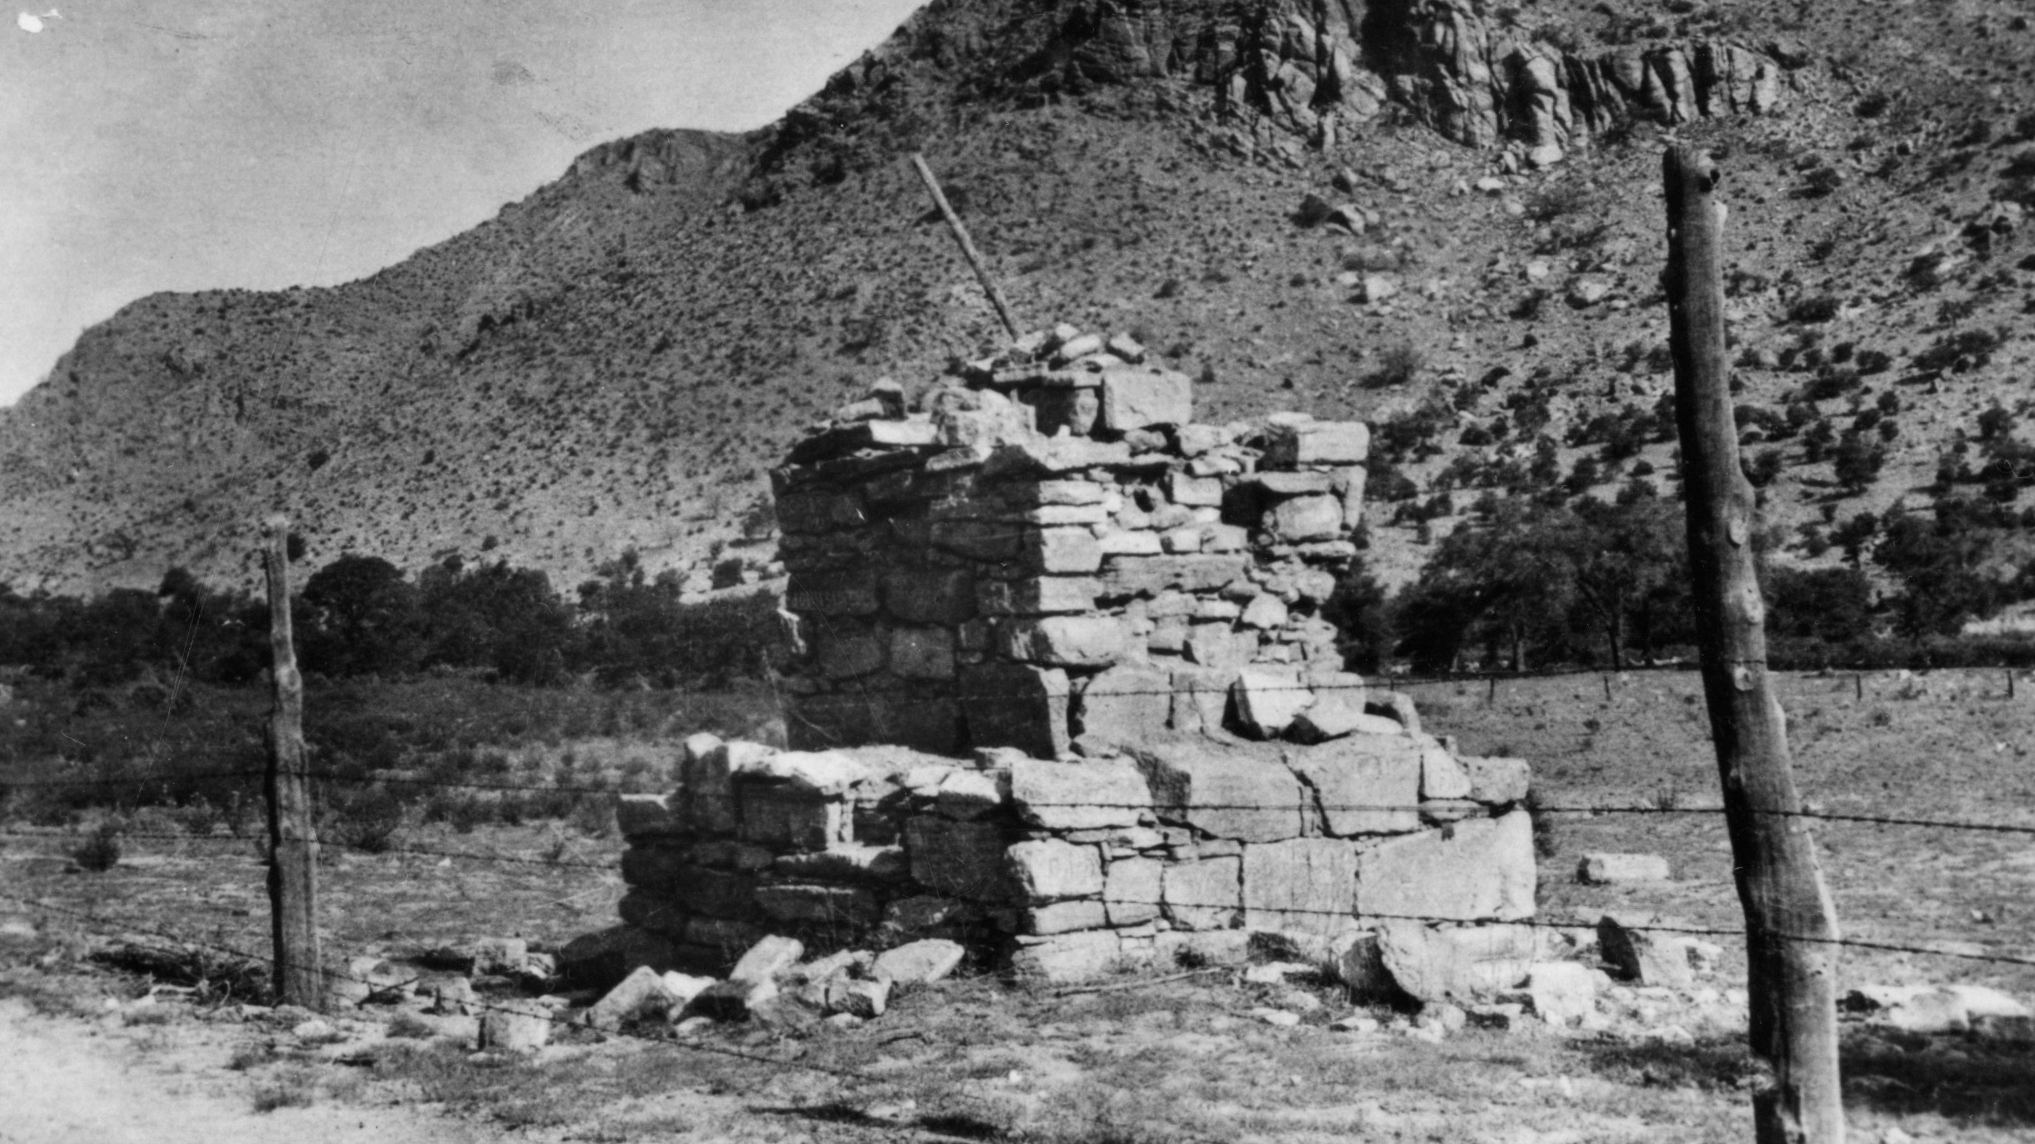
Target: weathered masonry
<point>1066,694</point>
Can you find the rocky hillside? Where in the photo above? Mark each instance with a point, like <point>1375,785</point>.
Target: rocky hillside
<point>1436,214</point>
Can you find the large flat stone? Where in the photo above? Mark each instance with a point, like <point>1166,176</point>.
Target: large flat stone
<point>1139,398</point>
<point>1241,792</point>
<point>918,962</point>
<point>1066,958</point>
<point>1497,780</point>
<point>1065,641</point>
<point>1317,443</point>
<point>1091,795</point>
<point>1048,870</point>
<point>844,908</point>
<point>1476,870</point>
<point>1301,885</point>
<point>1066,917</point>
<point>1037,595</point>
<point>1203,895</point>
<point>1131,890</point>
<point>849,593</point>
<point>1268,699</point>
<point>1363,784</point>
<point>846,863</point>
<point>1151,575</point>
<point>929,595</point>
<point>782,816</point>
<point>651,815</point>
<point>1457,963</point>
<point>1061,551</point>
<point>1302,519</point>
<point>1200,699</point>
<point>1016,705</point>
<point>1125,704</point>
<point>922,653</point>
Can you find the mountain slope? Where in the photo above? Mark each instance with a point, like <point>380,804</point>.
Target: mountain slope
<point>615,361</point>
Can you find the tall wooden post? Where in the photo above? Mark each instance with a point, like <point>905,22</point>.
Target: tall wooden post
<point>968,250</point>
<point>1792,982</point>
<point>293,841</point>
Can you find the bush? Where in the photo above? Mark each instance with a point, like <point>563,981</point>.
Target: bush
<point>100,851</point>
<point>1817,308</point>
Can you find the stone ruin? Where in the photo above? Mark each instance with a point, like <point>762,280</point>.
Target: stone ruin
<point>1064,691</point>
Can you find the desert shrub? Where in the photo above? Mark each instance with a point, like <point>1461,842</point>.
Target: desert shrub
<point>366,820</point>
<point>1397,366</point>
<point>1973,346</point>
<point>1814,308</point>
<point>100,851</point>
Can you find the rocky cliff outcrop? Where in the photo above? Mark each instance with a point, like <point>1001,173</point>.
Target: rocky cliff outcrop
<point>1472,76</point>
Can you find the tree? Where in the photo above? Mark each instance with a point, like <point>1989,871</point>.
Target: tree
<point>1857,462</point>
<point>359,617</point>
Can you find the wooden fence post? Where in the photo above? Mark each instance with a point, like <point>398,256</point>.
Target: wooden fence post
<point>1789,921</point>
<point>293,840</point>
<point>968,250</point>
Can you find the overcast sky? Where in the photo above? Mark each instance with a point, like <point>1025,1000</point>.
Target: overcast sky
<point>148,146</point>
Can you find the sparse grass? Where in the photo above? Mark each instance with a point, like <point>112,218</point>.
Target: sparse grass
<point>288,1087</point>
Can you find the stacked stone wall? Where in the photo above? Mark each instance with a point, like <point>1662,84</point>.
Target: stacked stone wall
<point>1065,693</point>
<point>1050,548</point>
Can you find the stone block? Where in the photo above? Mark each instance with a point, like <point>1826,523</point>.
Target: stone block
<point>1037,596</point>
<point>1480,869</point>
<point>845,863</point>
<point>715,893</point>
<point>1269,698</point>
<point>1188,490</point>
<point>1497,780</point>
<point>731,854</point>
<point>850,593</point>
<point>922,653</point>
<point>1066,958</point>
<point>967,795</point>
<point>723,937</point>
<point>1054,456</point>
<point>1640,956</point>
<point>844,651</point>
<point>1292,484</point>
<point>1301,885</point>
<point>1317,443</point>
<point>822,774</point>
<point>1457,963</point>
<point>1138,398</point>
<point>1127,543</point>
<point>1265,612</point>
<point>768,958</point>
<point>1338,708</point>
<point>651,815</point>
<point>929,595</point>
<point>1440,775</point>
<point>1218,645</point>
<point>914,917</point>
<point>516,1027</point>
<point>1302,519</point>
<point>653,912</point>
<point>599,959</point>
<point>819,512</point>
<point>1064,641</point>
<point>709,788</point>
<point>1065,917</point>
<point>918,962</point>
<point>1060,492</point>
<point>1151,575</point>
<point>657,870</point>
<point>1089,795</point>
<point>1131,890</point>
<point>1015,705</point>
<point>1240,792</point>
<point>1363,784</point>
<point>1600,868</point>
<point>504,956</point>
<point>1563,992</point>
<point>1061,551</point>
<point>1200,699</point>
<point>822,906</point>
<point>1203,895</point>
<point>961,859</point>
<point>1048,870</point>
<point>781,816</point>
<point>1124,704</point>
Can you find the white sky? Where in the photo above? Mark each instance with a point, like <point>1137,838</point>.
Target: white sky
<point>148,146</point>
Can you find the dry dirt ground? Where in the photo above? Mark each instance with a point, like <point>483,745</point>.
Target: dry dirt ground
<point>85,1056</point>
